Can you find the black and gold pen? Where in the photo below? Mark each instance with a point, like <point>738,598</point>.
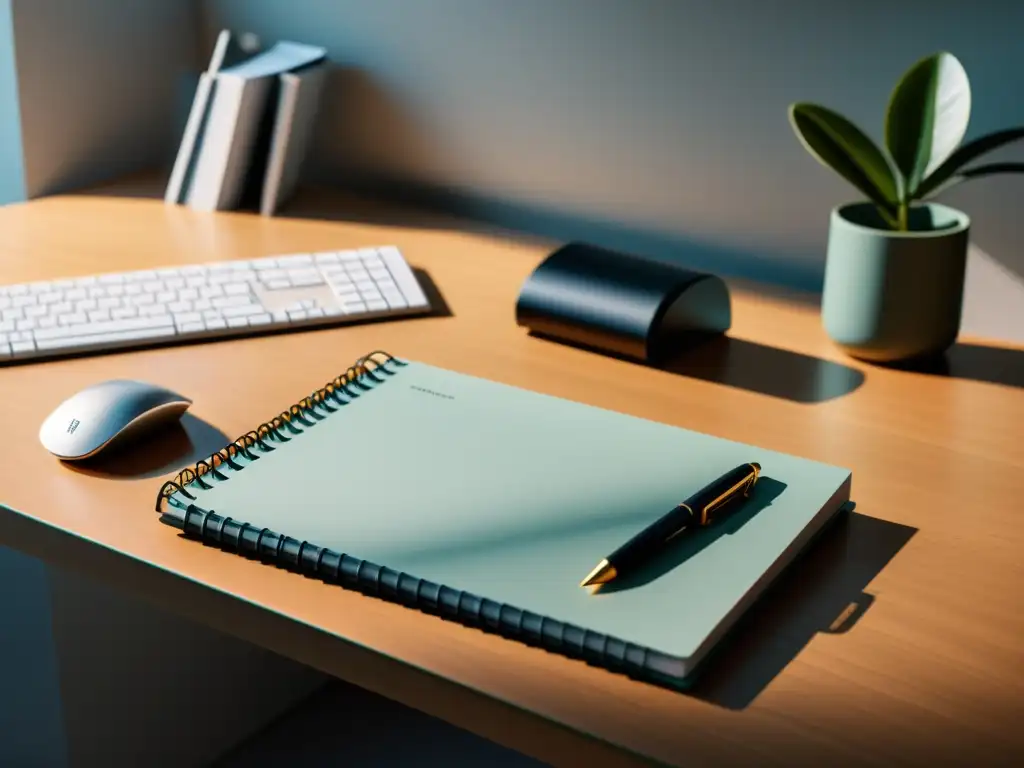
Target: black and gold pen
<point>702,508</point>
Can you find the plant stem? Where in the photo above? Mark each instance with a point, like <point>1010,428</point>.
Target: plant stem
<point>903,212</point>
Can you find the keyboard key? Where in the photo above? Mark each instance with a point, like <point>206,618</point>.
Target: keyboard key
<point>276,285</point>
<point>102,340</point>
<point>243,311</point>
<point>196,327</point>
<point>230,301</point>
<point>237,322</point>
<point>110,326</point>
<point>263,319</point>
<point>22,347</point>
<point>236,289</point>
<point>307,281</point>
<point>394,299</point>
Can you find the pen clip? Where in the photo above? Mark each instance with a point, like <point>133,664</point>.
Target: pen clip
<point>745,485</point>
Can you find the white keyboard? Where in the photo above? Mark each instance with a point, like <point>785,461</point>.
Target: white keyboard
<point>204,301</point>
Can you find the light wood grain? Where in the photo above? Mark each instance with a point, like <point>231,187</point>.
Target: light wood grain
<point>933,666</point>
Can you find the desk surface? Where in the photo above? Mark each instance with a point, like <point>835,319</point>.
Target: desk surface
<point>898,635</point>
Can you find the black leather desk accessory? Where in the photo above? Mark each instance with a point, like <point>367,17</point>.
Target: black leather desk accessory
<point>621,304</point>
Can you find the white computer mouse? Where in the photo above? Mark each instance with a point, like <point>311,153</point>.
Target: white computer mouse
<point>112,412</point>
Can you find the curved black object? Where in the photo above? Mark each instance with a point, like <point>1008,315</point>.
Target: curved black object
<point>622,304</point>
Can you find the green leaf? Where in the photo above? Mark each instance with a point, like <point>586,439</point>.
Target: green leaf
<point>991,169</point>
<point>840,145</point>
<point>968,152</point>
<point>927,117</point>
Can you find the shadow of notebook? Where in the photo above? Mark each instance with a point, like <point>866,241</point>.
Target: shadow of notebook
<point>491,503</point>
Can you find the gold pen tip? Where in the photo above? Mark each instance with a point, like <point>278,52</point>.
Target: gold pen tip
<point>602,574</point>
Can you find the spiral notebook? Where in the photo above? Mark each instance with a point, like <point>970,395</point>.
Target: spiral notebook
<point>488,504</point>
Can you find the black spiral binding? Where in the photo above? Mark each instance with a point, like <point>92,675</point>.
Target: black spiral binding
<point>338,568</point>
<point>302,415</point>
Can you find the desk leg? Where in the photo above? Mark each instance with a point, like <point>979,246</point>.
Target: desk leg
<point>139,686</point>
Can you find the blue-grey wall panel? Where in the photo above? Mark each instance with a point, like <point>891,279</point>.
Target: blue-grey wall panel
<point>653,123</point>
<point>12,176</point>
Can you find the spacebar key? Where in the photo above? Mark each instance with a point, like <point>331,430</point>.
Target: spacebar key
<point>101,340</point>
<point>133,325</point>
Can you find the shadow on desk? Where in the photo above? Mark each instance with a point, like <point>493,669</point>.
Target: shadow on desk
<point>754,367</point>
<point>162,452</point>
<point>821,592</point>
<point>978,362</point>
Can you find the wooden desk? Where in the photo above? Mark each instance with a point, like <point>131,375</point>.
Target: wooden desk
<point>933,666</point>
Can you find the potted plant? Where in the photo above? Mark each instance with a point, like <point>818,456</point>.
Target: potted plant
<point>894,274</point>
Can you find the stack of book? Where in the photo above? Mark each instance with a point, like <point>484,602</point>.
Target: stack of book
<point>249,128</point>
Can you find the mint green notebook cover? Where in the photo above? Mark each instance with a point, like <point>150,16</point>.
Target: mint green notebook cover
<point>493,502</point>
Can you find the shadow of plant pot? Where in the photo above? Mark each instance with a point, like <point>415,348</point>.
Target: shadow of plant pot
<point>895,296</point>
